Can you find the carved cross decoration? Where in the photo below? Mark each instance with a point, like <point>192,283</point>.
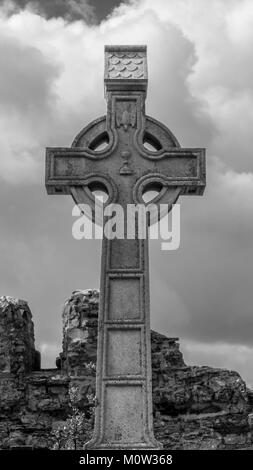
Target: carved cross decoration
<point>139,153</point>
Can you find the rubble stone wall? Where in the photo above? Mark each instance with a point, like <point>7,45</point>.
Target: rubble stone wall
<point>194,407</point>
<point>17,350</point>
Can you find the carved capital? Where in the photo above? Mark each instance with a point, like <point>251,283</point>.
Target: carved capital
<point>126,68</point>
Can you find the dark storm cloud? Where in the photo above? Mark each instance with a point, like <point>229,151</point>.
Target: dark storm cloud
<point>67,9</point>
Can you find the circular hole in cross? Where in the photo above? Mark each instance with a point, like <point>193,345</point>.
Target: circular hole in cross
<point>100,142</point>
<point>151,191</point>
<point>99,191</point>
<point>151,143</point>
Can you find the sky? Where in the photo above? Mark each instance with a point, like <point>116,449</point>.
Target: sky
<point>200,86</point>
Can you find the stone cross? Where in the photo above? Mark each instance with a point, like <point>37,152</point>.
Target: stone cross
<point>125,153</point>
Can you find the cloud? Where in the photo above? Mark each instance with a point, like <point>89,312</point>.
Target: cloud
<point>222,75</point>
<point>200,85</point>
<point>26,102</point>
<point>62,71</point>
<point>70,10</point>
<point>26,78</point>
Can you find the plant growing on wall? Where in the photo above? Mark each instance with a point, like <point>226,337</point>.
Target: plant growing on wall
<point>77,429</point>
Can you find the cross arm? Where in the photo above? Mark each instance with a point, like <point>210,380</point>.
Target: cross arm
<point>177,167</point>
<point>68,167</point>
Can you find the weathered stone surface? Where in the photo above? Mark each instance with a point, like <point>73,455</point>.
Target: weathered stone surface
<point>201,408</point>
<point>17,351</point>
<point>80,320</point>
<point>125,167</point>
<point>29,405</point>
<point>194,407</point>
<point>125,63</point>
